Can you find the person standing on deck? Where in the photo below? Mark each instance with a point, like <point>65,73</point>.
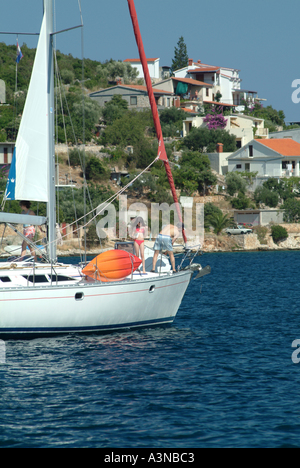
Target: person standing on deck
<point>165,241</point>
<point>138,229</point>
<point>28,230</point>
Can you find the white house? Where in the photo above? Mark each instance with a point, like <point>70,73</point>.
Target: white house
<point>224,80</point>
<point>243,127</point>
<point>269,158</point>
<point>153,65</point>
<point>193,90</point>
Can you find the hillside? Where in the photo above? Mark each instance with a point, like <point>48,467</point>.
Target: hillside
<point>121,129</point>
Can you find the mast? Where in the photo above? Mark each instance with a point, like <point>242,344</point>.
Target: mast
<point>51,206</point>
<point>163,155</point>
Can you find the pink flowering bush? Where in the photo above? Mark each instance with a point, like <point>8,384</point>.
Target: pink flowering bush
<point>215,121</point>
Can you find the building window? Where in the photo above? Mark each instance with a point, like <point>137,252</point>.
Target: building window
<point>250,151</point>
<point>207,92</point>
<point>284,164</point>
<point>133,100</point>
<point>239,166</point>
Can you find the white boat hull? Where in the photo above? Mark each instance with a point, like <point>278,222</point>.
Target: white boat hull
<point>92,307</point>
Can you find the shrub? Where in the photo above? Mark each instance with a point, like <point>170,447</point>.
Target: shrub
<point>215,121</point>
<point>279,233</point>
<point>235,183</point>
<point>95,170</point>
<point>67,76</point>
<point>241,202</point>
<point>76,157</point>
<point>266,196</point>
<point>261,232</point>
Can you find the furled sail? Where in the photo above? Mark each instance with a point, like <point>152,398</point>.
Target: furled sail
<point>28,177</point>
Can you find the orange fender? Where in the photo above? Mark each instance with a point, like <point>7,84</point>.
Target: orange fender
<point>113,265</point>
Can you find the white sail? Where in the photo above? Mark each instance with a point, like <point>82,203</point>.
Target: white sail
<point>32,145</point>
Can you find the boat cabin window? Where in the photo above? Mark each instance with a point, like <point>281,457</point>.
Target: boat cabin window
<point>36,279</point>
<point>5,279</point>
<point>58,278</point>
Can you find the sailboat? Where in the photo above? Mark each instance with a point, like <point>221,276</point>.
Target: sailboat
<point>49,298</point>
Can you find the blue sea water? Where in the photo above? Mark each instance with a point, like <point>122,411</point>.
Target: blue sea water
<point>221,376</point>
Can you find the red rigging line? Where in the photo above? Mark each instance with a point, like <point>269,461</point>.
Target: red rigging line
<point>162,150</point>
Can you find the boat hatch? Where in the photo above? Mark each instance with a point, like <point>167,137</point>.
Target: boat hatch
<point>5,279</point>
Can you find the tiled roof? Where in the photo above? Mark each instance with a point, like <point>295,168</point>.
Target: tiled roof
<point>191,111</point>
<point>144,88</point>
<point>283,146</point>
<point>193,82</point>
<point>203,69</point>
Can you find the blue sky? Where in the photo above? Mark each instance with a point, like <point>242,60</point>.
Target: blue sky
<point>260,38</point>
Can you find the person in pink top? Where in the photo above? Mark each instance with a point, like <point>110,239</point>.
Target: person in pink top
<point>138,229</point>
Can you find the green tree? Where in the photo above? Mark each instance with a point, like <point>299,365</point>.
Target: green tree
<point>144,183</point>
<point>95,170</point>
<point>121,69</point>
<point>268,197</point>
<point>128,130</point>
<point>67,76</point>
<point>205,140</point>
<point>181,58</point>
<point>272,117</point>
<point>210,210</point>
<point>114,109</point>
<point>219,222</point>
<point>235,183</point>
<point>194,173</point>
<point>71,201</point>
<point>171,121</point>
<point>241,202</point>
<point>143,153</point>
<point>172,115</point>
<point>283,187</point>
<point>291,209</point>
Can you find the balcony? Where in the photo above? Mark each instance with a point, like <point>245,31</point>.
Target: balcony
<point>262,132</point>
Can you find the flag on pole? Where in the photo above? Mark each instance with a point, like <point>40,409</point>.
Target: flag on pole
<point>19,53</point>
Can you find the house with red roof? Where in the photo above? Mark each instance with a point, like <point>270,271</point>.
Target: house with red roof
<point>269,158</point>
<point>194,92</point>
<point>136,96</point>
<point>223,80</point>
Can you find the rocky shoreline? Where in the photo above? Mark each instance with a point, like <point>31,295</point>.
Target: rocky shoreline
<point>253,242</point>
